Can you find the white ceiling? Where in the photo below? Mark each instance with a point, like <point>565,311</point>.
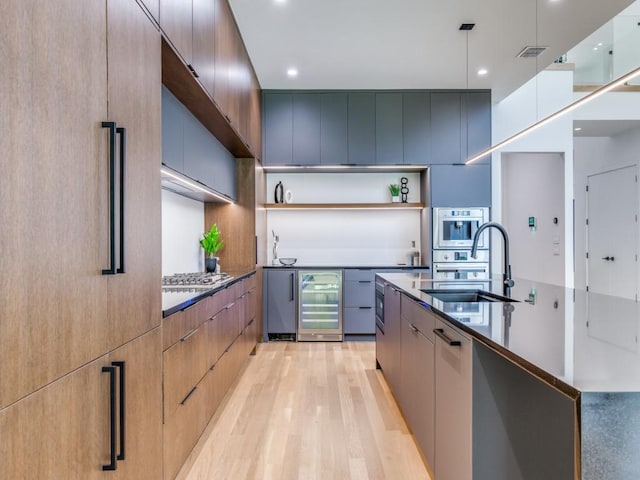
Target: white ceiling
<point>406,44</point>
<point>603,128</point>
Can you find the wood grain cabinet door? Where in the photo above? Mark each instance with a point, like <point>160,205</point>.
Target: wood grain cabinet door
<point>134,103</point>
<point>63,430</point>
<point>54,167</point>
<point>176,20</point>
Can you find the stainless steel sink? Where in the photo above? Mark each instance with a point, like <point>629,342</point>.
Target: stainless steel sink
<point>453,296</point>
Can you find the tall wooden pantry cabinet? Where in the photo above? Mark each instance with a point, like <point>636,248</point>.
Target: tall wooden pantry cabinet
<point>80,346</point>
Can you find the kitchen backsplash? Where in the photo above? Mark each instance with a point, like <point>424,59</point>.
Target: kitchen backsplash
<point>182,228</point>
<point>340,236</point>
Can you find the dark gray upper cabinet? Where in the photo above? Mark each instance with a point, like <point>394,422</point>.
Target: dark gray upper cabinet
<point>378,127</point>
<point>278,129</point>
<point>189,148</point>
<point>361,129</point>
<point>172,134</point>
<point>416,128</point>
<point>461,185</point>
<point>388,133</point>
<point>478,114</point>
<point>306,128</point>
<point>333,129</point>
<point>446,128</point>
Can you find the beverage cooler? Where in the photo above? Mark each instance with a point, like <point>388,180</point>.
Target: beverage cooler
<point>320,305</point>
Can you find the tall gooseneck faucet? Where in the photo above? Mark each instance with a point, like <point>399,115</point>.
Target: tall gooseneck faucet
<point>507,281</point>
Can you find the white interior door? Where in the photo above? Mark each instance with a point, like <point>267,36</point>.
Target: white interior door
<point>612,232</point>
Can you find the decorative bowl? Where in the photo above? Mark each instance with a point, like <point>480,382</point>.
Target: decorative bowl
<point>287,262</point>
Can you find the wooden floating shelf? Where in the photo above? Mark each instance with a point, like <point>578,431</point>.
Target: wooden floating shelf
<point>342,206</point>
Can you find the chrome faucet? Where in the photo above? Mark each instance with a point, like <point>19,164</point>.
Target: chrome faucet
<point>507,281</point>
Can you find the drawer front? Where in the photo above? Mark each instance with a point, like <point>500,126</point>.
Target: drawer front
<point>184,364</point>
<point>359,320</point>
<point>418,316</point>
<point>357,274</point>
<point>359,294</point>
<point>183,428</point>
<point>176,326</point>
<point>250,282</point>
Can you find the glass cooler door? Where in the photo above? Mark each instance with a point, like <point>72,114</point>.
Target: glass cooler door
<point>320,305</point>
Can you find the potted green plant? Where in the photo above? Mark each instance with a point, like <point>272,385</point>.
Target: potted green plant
<point>394,188</point>
<point>211,243</point>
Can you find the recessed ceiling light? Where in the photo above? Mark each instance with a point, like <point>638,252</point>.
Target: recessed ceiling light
<point>595,49</point>
<point>292,72</point>
<point>482,71</point>
<point>600,44</point>
<point>577,129</point>
<point>280,1</point>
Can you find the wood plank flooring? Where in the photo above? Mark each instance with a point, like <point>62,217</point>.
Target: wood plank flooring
<point>308,411</point>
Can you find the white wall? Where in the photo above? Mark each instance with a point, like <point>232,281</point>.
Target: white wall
<point>597,155</point>
<point>343,237</point>
<point>182,228</point>
<point>533,186</point>
<point>546,93</point>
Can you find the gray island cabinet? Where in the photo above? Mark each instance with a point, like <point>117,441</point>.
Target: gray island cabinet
<point>543,388</point>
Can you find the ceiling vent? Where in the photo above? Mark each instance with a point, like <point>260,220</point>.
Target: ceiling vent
<point>531,52</point>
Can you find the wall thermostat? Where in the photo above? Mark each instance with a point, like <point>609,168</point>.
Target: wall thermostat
<point>532,224</point>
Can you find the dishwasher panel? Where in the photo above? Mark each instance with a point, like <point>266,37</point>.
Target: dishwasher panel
<point>320,305</point>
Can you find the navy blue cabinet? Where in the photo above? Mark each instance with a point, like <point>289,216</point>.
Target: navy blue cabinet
<point>306,128</point>
<point>361,128</point>
<point>333,129</point>
<point>278,129</point>
<point>416,128</point>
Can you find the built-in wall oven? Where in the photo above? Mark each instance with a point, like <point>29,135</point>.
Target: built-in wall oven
<point>453,233</point>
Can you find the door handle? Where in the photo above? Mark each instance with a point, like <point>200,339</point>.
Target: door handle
<point>111,370</point>
<point>608,259</point>
<point>112,198</point>
<point>123,155</point>
<point>291,293</point>
<point>122,387</point>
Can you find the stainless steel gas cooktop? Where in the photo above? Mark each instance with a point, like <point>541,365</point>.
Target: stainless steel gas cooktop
<point>195,281</point>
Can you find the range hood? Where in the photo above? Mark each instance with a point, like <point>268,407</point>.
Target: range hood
<point>182,185</point>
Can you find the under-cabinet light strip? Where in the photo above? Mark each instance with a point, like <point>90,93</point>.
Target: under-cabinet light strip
<point>193,185</point>
<point>310,168</point>
<point>578,103</point>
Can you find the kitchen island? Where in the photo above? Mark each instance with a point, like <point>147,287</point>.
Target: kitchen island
<point>553,384</point>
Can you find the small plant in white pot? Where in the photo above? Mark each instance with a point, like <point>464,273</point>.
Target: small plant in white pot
<point>394,188</point>
<point>211,243</point>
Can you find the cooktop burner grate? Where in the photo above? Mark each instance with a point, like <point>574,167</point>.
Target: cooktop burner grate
<point>194,279</point>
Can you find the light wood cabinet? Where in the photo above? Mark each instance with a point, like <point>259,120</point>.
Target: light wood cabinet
<point>203,43</point>
<point>224,53</point>
<point>64,305</point>
<point>54,235</point>
<point>176,20</point>
<point>134,103</point>
<point>153,7</point>
<point>67,422</point>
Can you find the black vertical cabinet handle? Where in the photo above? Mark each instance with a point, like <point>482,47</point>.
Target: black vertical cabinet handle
<point>291,282</point>
<point>112,198</point>
<point>112,418</point>
<point>123,156</point>
<point>122,388</point>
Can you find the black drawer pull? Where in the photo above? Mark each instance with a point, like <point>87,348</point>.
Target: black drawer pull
<point>440,333</point>
<point>365,281</point>
<point>188,395</point>
<point>365,308</point>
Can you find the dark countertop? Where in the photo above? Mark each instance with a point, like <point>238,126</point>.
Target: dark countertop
<point>364,267</point>
<point>574,340</point>
<point>175,301</point>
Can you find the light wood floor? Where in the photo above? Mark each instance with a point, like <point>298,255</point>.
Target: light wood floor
<point>308,411</point>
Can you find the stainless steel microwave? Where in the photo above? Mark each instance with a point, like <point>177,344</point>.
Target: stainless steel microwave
<point>456,227</point>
